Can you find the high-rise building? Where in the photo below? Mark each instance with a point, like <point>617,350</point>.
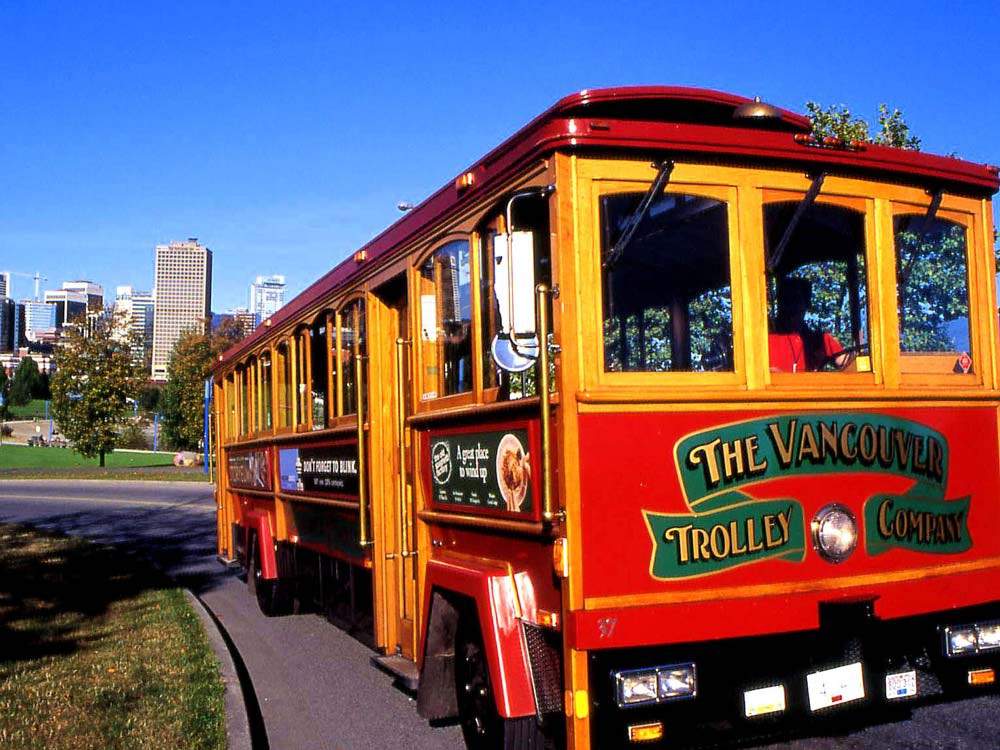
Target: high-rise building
<point>246,319</point>
<point>39,319</point>
<point>267,295</point>
<point>183,290</point>
<point>93,292</point>
<point>71,306</point>
<point>5,290</point>
<point>136,311</point>
<point>8,325</point>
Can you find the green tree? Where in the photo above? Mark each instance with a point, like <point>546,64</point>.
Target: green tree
<point>27,382</point>
<point>95,377</point>
<point>838,121</point>
<point>4,391</point>
<point>182,399</point>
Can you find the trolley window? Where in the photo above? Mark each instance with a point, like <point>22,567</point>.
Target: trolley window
<point>318,352</point>
<point>446,321</point>
<point>817,288</point>
<point>265,392</point>
<point>285,384</point>
<point>352,341</point>
<point>933,295</point>
<point>530,251</point>
<point>667,292</point>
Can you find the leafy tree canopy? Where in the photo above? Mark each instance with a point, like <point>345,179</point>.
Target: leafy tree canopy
<point>182,400</point>
<point>95,378</point>
<point>27,382</point>
<point>838,121</point>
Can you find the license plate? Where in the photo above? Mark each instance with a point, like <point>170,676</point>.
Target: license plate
<point>832,687</point>
<point>765,700</point>
<point>901,685</point>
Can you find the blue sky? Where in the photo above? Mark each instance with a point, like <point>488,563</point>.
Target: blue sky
<point>283,135</point>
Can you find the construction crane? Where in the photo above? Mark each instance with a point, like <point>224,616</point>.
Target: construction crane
<point>36,276</point>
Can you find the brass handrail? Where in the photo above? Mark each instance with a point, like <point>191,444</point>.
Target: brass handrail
<point>542,292</point>
<point>404,530</point>
<point>364,539</point>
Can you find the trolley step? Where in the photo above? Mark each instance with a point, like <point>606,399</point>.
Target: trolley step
<point>404,670</point>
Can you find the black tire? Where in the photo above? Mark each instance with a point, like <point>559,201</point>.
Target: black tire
<point>482,726</point>
<point>271,594</point>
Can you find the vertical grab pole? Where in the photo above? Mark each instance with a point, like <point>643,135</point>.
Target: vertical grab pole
<point>364,540</point>
<point>542,292</point>
<point>404,516</point>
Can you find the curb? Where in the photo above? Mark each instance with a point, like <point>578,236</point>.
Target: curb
<point>237,720</point>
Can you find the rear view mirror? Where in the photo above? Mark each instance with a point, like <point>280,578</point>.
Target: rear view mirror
<point>515,347</point>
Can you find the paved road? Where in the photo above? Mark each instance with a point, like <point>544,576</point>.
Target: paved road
<point>314,684</point>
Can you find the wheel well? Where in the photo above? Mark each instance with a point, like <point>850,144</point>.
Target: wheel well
<point>436,694</point>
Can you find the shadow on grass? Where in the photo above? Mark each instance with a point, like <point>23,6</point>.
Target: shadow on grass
<point>48,587</point>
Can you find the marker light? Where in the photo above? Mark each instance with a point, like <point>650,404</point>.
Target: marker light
<point>834,533</point>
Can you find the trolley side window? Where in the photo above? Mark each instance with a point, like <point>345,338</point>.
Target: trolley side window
<point>300,373</point>
<point>530,253</point>
<point>285,386</point>
<point>265,393</point>
<point>817,290</point>
<point>667,293</point>
<point>318,351</point>
<point>351,343</point>
<point>932,295</point>
<point>446,321</point>
<point>246,394</point>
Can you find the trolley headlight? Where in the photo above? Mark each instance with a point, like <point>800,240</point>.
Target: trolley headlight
<point>988,636</point>
<point>655,684</point>
<point>961,641</point>
<point>834,532</point>
<point>972,639</point>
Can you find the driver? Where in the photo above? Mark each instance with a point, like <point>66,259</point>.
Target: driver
<point>793,346</point>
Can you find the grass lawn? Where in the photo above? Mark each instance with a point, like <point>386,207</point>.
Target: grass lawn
<point>24,457</point>
<point>32,409</point>
<point>22,462</point>
<point>98,650</point>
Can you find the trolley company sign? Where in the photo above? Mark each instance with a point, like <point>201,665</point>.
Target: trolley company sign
<point>482,470</point>
<point>728,527</point>
<point>325,469</point>
<point>249,470</point>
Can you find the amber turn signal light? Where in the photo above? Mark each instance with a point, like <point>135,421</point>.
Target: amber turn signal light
<point>982,676</point>
<point>650,732</point>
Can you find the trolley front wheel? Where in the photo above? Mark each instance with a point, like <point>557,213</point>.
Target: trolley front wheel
<point>482,726</point>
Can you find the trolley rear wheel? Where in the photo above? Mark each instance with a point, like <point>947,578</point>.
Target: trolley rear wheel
<point>271,594</point>
<point>482,725</point>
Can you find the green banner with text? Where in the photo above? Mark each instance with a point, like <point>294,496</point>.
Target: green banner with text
<point>727,527</point>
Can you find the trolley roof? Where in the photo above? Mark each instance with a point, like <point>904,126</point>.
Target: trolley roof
<point>650,119</point>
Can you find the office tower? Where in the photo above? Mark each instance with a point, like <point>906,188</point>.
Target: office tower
<point>183,291</point>
<point>267,295</point>
<point>93,292</point>
<point>8,325</point>
<point>246,319</point>
<point>5,290</point>
<point>135,311</point>
<point>39,319</point>
<point>71,306</point>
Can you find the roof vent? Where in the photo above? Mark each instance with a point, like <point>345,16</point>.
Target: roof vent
<point>756,111</point>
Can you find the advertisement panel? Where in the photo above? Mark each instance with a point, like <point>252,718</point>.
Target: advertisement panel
<point>249,469</point>
<point>322,469</point>
<point>483,470</point>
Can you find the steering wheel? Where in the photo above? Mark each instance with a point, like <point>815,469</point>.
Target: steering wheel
<point>842,359</point>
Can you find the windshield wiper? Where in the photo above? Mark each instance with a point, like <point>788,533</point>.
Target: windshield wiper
<point>779,251</point>
<point>640,213</point>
